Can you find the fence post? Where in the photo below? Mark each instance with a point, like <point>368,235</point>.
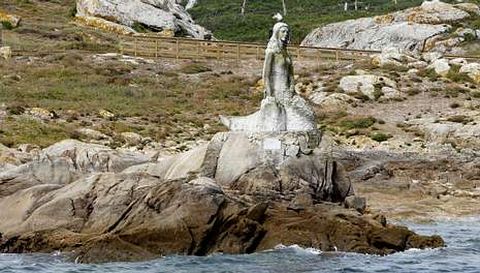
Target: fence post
<point>238,54</point>
<point>121,45</point>
<point>198,50</point>
<point>257,56</point>
<point>156,48</point>
<point>298,53</point>
<point>135,46</point>
<point>177,49</point>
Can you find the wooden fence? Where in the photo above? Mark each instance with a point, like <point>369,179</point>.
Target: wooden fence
<point>152,46</point>
<point>181,48</point>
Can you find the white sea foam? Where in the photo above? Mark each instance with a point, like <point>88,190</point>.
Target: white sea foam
<point>299,249</point>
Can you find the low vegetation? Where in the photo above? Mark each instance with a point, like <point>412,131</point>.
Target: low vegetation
<point>162,103</point>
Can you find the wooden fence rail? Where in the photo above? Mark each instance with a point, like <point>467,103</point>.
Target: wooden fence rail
<point>181,48</point>
<point>151,46</point>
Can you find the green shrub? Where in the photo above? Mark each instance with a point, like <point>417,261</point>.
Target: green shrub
<point>377,93</point>
<point>455,75</point>
<point>7,25</point>
<point>380,137</point>
<point>73,11</point>
<point>357,123</point>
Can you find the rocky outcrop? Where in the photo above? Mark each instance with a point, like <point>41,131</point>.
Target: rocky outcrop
<point>415,29</point>
<point>460,131</point>
<point>125,16</point>
<point>367,85</point>
<point>332,102</point>
<point>5,52</point>
<point>230,196</point>
<point>472,70</point>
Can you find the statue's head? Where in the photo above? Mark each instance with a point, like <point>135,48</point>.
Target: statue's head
<point>280,34</point>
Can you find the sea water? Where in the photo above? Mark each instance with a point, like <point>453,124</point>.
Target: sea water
<point>461,255</point>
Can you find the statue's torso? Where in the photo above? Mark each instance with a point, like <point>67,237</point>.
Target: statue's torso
<point>280,76</point>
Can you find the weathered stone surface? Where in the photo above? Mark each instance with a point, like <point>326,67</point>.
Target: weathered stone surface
<point>389,57</point>
<point>157,15</point>
<point>364,84</point>
<point>103,24</point>
<point>410,29</point>
<point>93,134</point>
<point>469,7</point>
<point>332,102</point>
<point>440,66</point>
<point>147,217</point>
<point>432,56</point>
<point>473,71</point>
<point>458,61</point>
<point>388,93</point>
<point>5,52</point>
<point>445,132</point>
<point>131,138</point>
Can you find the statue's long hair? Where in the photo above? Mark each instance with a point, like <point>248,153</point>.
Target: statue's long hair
<point>275,44</point>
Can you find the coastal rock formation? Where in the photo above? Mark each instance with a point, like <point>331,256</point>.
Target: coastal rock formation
<point>266,182</point>
<point>104,214</point>
<point>155,15</point>
<point>420,28</point>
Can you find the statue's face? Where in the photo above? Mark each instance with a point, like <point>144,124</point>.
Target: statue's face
<point>284,35</point>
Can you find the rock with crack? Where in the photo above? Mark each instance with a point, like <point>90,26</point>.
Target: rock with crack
<point>138,216</point>
<point>124,16</point>
<point>414,29</point>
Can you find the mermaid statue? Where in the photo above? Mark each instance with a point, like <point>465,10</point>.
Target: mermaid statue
<point>281,108</point>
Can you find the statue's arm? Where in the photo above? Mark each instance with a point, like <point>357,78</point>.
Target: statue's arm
<point>267,71</point>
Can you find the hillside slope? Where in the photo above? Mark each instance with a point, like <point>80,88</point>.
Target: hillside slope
<point>225,20</point>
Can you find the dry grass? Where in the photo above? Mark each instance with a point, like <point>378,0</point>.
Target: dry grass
<point>151,99</point>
